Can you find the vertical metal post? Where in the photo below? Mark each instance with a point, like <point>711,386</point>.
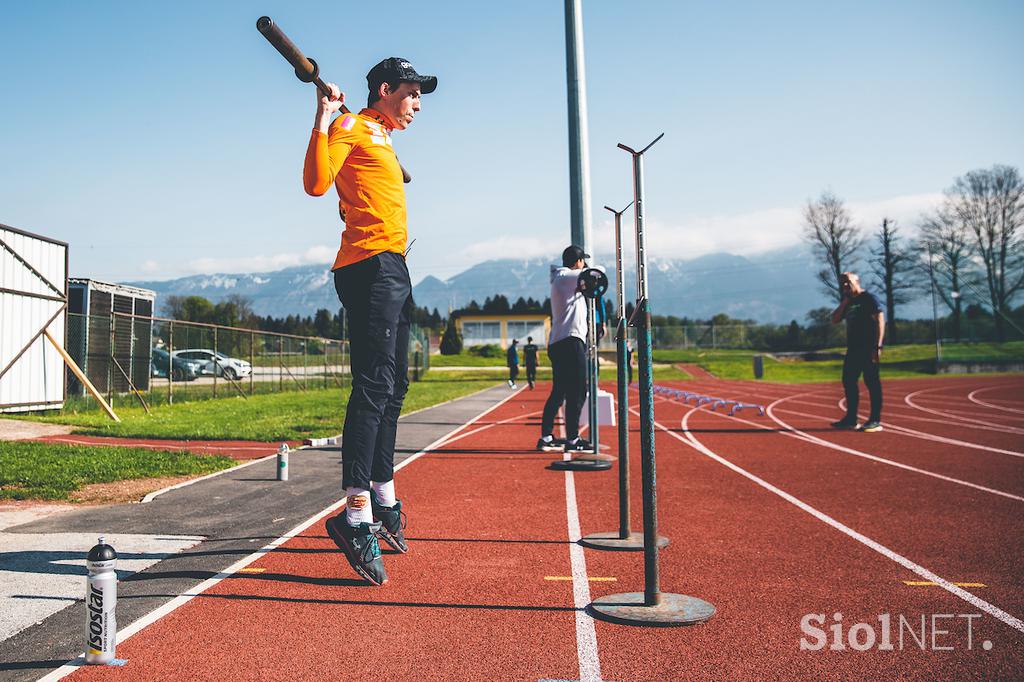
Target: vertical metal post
<point>625,539</point>
<point>592,412</point>
<point>621,358</point>
<point>170,363</point>
<point>110,363</point>
<point>252,358</point>
<point>216,362</point>
<point>652,585</point>
<point>579,155</point>
<point>305,369</point>
<point>652,606</point>
<point>935,312</point>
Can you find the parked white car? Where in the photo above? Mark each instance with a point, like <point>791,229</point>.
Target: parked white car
<point>211,363</point>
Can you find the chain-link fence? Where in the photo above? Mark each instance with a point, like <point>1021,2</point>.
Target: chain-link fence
<point>147,360</point>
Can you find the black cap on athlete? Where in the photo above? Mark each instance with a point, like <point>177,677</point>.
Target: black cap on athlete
<point>398,69</point>
<point>572,254</point>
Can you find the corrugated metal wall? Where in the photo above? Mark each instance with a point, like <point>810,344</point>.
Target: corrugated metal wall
<point>36,379</point>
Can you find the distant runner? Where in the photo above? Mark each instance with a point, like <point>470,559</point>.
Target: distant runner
<point>512,360</point>
<point>354,154</point>
<point>530,360</point>
<point>865,329</point>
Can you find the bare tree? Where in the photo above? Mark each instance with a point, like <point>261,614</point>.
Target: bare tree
<point>893,267</point>
<point>833,237</point>
<point>948,240</point>
<point>990,203</point>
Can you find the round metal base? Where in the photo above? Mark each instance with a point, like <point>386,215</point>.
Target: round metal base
<point>580,465</point>
<point>612,542</point>
<point>603,456</point>
<point>628,608</point>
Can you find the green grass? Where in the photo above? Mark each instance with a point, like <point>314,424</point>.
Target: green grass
<point>271,417</point>
<point>54,472</point>
<point>903,361</point>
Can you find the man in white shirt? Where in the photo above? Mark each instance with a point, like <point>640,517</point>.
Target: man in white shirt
<point>567,349</point>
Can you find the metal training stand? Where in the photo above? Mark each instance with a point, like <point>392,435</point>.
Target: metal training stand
<point>625,539</point>
<point>652,606</point>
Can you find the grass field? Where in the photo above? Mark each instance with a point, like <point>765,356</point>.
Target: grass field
<point>44,471</point>
<point>912,360</point>
<point>264,417</point>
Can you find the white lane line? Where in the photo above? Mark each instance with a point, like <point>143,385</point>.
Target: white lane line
<point>930,420</point>
<point>857,453</point>
<point>586,632</point>
<point>158,613</point>
<point>975,601</point>
<point>979,401</point>
<point>908,399</point>
<point>793,432</point>
<point>903,430</point>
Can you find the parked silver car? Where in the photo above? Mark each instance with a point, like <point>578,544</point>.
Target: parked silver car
<point>211,362</point>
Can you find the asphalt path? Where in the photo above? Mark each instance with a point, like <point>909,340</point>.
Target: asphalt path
<point>237,513</point>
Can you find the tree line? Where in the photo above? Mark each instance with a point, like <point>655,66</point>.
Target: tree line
<point>237,311</point>
<point>971,247</point>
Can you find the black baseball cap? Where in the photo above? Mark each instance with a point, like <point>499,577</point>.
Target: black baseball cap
<point>399,69</point>
<point>572,254</point>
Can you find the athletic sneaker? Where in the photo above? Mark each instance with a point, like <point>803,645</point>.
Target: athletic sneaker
<point>360,546</point>
<point>872,426</point>
<point>392,524</point>
<point>579,445</point>
<point>512,384</point>
<point>845,423</point>
<point>550,444</point>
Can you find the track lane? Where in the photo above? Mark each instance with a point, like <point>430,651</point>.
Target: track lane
<point>764,564</point>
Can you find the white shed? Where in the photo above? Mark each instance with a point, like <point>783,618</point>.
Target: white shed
<point>33,299</point>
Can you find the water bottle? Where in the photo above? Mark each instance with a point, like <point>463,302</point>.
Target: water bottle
<point>282,462</point>
<point>100,602</point>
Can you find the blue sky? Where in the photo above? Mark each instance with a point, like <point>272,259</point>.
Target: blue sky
<point>163,139</point>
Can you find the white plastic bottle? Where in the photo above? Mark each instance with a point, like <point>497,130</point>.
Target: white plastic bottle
<point>100,602</point>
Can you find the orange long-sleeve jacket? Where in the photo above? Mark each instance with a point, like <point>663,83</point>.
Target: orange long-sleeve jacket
<point>357,157</point>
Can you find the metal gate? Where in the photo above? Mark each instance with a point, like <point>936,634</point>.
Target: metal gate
<point>33,299</point>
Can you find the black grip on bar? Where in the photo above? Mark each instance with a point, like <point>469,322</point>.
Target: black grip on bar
<point>305,69</point>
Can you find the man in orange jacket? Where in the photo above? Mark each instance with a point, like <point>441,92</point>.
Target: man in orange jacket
<point>354,153</point>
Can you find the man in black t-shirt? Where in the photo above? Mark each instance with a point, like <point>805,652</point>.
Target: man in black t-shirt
<point>530,360</point>
<point>865,329</point>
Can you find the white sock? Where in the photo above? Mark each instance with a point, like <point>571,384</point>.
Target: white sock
<point>357,508</point>
<point>385,493</point>
<point>548,438</point>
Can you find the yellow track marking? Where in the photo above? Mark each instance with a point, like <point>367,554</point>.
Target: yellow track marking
<point>252,570</point>
<point>929,583</point>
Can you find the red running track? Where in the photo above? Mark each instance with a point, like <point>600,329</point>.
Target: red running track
<point>765,524</point>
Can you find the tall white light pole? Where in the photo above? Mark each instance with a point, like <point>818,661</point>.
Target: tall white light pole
<point>579,156</point>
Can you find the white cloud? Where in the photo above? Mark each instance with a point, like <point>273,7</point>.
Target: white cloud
<point>755,231</point>
<point>511,247</point>
<point>243,264</point>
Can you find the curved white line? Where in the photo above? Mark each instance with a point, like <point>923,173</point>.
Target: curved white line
<point>921,434</point>
<point>859,537</point>
<point>908,399</point>
<point>970,396</point>
<point>857,453</point>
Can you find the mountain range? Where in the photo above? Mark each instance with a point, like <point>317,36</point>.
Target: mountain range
<point>776,286</point>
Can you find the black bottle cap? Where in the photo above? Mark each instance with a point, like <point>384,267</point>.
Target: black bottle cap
<point>102,552</point>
